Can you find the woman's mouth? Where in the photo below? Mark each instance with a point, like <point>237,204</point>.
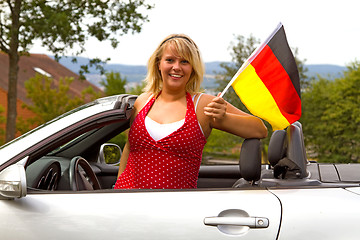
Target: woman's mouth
<point>175,75</point>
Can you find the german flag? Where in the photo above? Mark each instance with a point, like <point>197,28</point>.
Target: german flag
<point>268,82</point>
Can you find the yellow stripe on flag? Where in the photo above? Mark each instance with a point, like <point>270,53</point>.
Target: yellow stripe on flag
<point>255,96</point>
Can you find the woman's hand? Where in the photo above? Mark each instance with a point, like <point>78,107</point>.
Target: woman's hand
<point>216,108</point>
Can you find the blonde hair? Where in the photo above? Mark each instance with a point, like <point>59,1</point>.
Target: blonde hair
<point>187,49</point>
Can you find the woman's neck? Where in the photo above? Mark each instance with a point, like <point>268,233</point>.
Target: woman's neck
<point>168,96</point>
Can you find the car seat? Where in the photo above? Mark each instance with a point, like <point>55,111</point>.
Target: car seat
<point>249,163</point>
<point>286,152</point>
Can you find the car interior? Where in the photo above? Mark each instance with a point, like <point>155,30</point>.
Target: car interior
<point>77,163</point>
<point>289,166</point>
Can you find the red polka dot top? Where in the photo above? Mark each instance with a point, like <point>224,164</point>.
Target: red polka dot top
<point>170,163</point>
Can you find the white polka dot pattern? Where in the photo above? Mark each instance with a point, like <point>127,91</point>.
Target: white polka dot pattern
<point>170,163</point>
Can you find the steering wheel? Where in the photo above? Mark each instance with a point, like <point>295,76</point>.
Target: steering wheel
<point>81,175</point>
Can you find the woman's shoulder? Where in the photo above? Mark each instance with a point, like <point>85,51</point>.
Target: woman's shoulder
<point>142,99</point>
<point>144,96</point>
<point>204,98</point>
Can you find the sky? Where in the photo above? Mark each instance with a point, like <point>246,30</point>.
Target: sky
<point>324,31</point>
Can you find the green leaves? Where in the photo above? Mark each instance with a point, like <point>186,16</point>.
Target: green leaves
<point>114,84</point>
<point>331,117</point>
<point>64,26</point>
<point>241,49</point>
<point>51,99</point>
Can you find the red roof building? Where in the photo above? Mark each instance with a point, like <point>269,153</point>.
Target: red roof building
<point>28,67</point>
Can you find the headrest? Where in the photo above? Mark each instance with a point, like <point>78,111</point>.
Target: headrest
<point>286,152</point>
<point>250,159</point>
<point>296,149</point>
<point>277,147</point>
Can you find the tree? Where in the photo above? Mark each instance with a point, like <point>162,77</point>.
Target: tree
<point>221,145</point>
<point>60,25</point>
<point>331,117</point>
<point>138,88</point>
<point>304,79</point>
<point>114,84</point>
<point>241,50</point>
<point>50,101</point>
<point>2,120</point>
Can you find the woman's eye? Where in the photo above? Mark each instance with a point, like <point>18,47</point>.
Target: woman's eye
<point>169,60</point>
<point>184,61</point>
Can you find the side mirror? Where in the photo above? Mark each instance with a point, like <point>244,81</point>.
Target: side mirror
<point>13,182</point>
<point>110,154</point>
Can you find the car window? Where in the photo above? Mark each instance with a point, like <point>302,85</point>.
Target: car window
<point>222,148</point>
<point>71,142</point>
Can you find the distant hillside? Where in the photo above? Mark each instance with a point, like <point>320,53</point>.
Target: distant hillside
<point>135,74</point>
<point>325,70</point>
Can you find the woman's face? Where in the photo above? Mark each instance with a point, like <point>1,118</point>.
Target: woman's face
<point>175,71</point>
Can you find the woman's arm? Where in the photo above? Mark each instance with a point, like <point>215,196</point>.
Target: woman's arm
<point>224,116</point>
<point>123,159</point>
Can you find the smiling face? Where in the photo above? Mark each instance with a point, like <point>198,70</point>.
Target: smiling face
<point>175,70</point>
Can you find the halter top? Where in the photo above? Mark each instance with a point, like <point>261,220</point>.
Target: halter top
<point>171,162</point>
<point>159,130</point>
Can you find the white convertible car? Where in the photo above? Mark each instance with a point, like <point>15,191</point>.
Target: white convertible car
<point>56,182</point>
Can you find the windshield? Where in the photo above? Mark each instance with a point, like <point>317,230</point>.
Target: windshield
<point>48,123</point>
<point>71,142</point>
<point>65,121</point>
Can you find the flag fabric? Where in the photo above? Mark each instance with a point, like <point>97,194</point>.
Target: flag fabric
<point>268,82</point>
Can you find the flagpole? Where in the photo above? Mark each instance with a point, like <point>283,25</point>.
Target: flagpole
<point>252,56</point>
<point>245,64</point>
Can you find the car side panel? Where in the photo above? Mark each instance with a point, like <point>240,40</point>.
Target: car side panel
<point>135,215</point>
<point>319,213</point>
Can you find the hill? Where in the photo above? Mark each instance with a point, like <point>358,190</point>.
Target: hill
<point>136,73</point>
<point>325,70</point>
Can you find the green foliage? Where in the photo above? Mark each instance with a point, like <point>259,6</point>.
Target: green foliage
<point>111,154</point>
<point>119,139</point>
<point>63,27</point>
<point>222,145</point>
<point>138,89</point>
<point>114,84</point>
<point>304,80</point>
<point>240,51</point>
<point>331,117</point>
<point>51,100</point>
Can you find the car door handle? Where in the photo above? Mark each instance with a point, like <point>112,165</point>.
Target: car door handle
<point>251,222</point>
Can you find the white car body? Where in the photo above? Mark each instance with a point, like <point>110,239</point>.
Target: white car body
<point>226,205</point>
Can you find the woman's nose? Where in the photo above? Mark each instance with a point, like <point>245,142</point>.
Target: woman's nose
<point>176,66</point>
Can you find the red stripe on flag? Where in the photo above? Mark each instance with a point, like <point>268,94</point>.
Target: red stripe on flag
<point>279,84</point>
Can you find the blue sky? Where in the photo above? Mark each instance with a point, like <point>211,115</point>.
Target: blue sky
<point>324,31</point>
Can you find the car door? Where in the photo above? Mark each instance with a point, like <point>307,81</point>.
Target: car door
<point>320,213</point>
<point>143,214</point>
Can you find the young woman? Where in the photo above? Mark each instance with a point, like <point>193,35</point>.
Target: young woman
<point>172,120</point>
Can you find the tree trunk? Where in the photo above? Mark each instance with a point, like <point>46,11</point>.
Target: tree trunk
<point>13,72</point>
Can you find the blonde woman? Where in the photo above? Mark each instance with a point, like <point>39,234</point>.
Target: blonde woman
<point>172,120</point>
